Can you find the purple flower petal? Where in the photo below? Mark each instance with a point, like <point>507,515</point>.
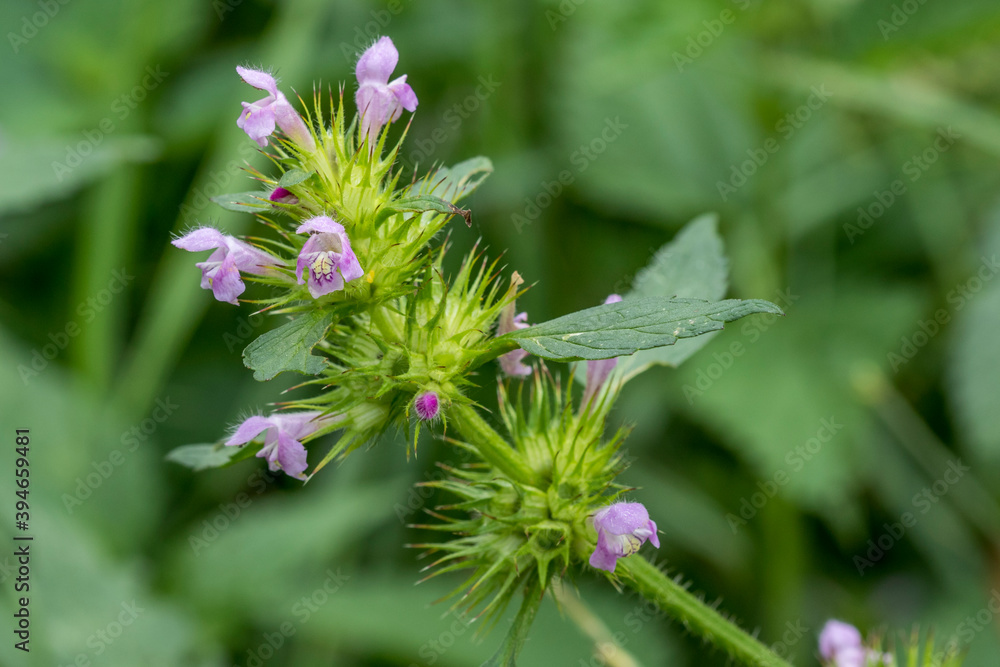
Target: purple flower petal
<point>326,256</point>
<point>203,238</point>
<point>249,430</point>
<point>257,120</point>
<point>283,431</point>
<point>427,405</point>
<point>404,94</point>
<point>259,79</point>
<point>226,281</point>
<point>837,636</point>
<point>377,62</point>
<point>621,529</point>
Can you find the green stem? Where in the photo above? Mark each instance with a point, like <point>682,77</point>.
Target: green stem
<point>696,616</point>
<point>490,445</point>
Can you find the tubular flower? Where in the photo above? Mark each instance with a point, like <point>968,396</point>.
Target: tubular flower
<point>259,118</point>
<point>221,272</point>
<point>510,363</point>
<point>621,529</point>
<point>840,646</point>
<point>283,432</point>
<point>598,371</point>
<point>379,101</point>
<point>427,405</point>
<point>327,256</point>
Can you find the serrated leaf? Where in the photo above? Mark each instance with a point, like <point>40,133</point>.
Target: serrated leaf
<point>693,265</point>
<point>293,177</point>
<point>242,202</point>
<point>424,203</point>
<point>213,455</point>
<point>617,329</point>
<point>289,347</point>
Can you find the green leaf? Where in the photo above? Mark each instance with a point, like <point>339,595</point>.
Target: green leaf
<point>423,203</point>
<point>294,177</point>
<point>213,455</point>
<point>289,347</point>
<point>693,265</point>
<point>243,202</point>
<point>616,329</point>
<point>456,182</point>
<point>506,656</point>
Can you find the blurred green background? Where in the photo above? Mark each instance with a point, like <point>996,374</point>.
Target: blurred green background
<point>849,148</point>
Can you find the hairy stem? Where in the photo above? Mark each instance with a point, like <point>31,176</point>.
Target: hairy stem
<point>696,616</point>
<point>491,446</point>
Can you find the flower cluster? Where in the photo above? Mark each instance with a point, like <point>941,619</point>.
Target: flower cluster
<point>389,339</point>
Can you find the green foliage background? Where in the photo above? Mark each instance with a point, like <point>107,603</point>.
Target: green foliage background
<point>551,77</point>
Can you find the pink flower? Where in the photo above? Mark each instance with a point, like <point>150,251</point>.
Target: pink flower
<point>621,529</point>
<point>379,101</point>
<point>327,257</point>
<point>511,362</point>
<point>840,645</point>
<point>282,434</point>
<point>259,118</point>
<point>427,405</point>
<point>221,272</point>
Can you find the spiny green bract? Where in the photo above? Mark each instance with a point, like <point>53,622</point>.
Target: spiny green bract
<point>517,537</point>
<point>431,339</point>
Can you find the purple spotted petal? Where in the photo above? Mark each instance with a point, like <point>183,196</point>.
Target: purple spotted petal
<point>326,257</point>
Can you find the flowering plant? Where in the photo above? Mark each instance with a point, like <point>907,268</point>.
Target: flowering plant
<point>353,268</point>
